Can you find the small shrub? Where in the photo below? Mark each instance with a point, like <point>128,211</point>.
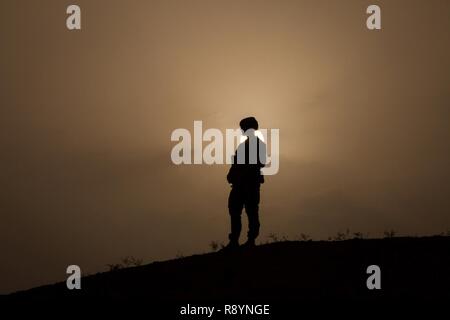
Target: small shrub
<point>114,266</point>
<point>126,262</point>
<point>131,261</point>
<point>389,234</point>
<point>304,237</point>
<point>214,246</point>
<point>273,237</point>
<point>358,235</point>
<point>340,236</point>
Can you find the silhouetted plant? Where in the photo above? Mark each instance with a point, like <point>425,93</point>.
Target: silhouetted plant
<point>273,237</point>
<point>114,266</point>
<point>389,234</point>
<point>214,246</point>
<point>130,261</point>
<point>358,235</point>
<point>340,236</point>
<point>304,237</point>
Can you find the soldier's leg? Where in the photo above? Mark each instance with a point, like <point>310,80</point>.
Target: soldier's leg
<point>235,206</point>
<point>252,209</point>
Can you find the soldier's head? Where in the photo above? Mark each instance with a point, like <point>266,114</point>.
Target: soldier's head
<point>249,123</point>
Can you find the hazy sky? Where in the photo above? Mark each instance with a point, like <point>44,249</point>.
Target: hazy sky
<point>86,117</point>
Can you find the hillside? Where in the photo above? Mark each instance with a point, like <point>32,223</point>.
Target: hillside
<point>282,271</point>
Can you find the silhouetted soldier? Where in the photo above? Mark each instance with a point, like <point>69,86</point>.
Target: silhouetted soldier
<point>245,177</point>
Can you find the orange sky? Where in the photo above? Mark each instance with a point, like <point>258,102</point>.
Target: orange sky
<point>86,118</point>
